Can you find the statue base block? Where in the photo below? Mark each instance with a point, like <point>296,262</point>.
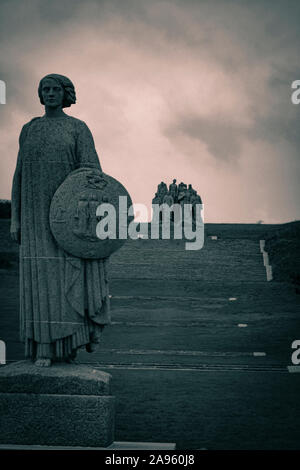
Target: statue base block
<point>116,445</point>
<point>61,405</point>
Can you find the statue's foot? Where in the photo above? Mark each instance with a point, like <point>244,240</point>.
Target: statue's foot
<point>91,347</point>
<point>43,362</point>
<point>71,360</point>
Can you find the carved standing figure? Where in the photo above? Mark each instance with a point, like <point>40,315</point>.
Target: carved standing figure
<point>162,189</point>
<point>173,190</point>
<point>64,301</point>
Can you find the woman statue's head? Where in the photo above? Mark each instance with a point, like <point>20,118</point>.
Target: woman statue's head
<point>56,90</point>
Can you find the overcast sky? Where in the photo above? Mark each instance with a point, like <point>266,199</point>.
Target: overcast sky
<point>188,89</point>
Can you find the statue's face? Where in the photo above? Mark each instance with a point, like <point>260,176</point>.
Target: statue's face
<point>52,92</point>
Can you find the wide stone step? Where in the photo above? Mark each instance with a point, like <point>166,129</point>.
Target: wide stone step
<point>239,231</point>
<point>173,256</point>
<point>198,288</point>
<point>184,309</point>
<point>208,252</point>
<point>172,263</point>
<point>188,359</point>
<point>151,249</point>
<point>187,272</point>
<point>180,245</point>
<point>206,337</point>
<point>248,290</point>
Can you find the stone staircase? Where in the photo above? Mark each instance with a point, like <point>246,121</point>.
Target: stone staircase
<point>199,343</point>
<point>166,298</point>
<point>166,260</point>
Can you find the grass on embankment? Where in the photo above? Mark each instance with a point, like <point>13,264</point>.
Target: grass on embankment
<point>283,248</point>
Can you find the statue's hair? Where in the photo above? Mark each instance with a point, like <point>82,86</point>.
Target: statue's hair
<point>67,85</point>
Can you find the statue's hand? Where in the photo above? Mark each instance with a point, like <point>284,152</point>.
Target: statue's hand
<point>15,233</point>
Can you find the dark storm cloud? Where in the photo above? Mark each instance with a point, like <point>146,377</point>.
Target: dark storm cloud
<point>184,83</point>
<point>273,39</point>
<point>222,139</point>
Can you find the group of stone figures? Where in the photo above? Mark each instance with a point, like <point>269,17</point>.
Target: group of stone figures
<point>177,194</point>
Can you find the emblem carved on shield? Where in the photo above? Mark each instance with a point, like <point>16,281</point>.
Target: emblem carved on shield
<point>72,216</point>
<point>95,181</point>
<point>85,218</point>
<point>59,215</point>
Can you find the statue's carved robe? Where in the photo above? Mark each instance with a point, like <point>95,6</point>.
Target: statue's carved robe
<point>64,301</point>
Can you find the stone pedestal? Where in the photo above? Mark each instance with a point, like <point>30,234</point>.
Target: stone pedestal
<point>61,405</point>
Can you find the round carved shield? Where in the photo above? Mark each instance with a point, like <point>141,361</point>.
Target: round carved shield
<point>89,214</point>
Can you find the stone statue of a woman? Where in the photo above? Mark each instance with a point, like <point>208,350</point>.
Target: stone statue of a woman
<point>53,323</point>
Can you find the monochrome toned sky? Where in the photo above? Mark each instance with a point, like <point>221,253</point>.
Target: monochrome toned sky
<point>188,89</point>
